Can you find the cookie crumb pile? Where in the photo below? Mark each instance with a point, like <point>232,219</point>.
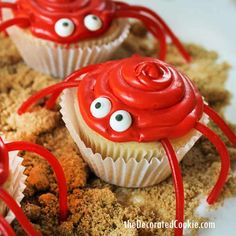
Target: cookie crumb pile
<point>97,208</point>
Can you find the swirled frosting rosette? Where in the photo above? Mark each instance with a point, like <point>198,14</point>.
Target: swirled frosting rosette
<point>121,111</point>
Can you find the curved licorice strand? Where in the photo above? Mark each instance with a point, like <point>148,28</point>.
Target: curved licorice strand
<point>159,20</point>
<point>221,124</point>
<point>225,161</point>
<point>178,184</point>
<point>22,21</point>
<point>8,5</point>
<point>10,202</point>
<point>5,228</point>
<point>4,162</point>
<point>44,93</point>
<point>61,180</point>
<point>152,26</point>
<point>52,100</point>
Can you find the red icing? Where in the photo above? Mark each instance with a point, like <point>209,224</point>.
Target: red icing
<point>162,102</point>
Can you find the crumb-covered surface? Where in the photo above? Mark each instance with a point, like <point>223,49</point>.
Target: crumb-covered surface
<point>97,208</point>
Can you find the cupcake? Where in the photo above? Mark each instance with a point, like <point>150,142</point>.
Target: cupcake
<point>58,37</point>
<point>12,184</point>
<point>134,120</point>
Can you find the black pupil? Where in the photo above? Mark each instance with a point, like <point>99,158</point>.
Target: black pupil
<point>65,24</point>
<point>98,105</point>
<point>119,117</point>
<point>94,17</point>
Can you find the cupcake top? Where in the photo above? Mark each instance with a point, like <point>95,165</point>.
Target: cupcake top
<point>139,99</point>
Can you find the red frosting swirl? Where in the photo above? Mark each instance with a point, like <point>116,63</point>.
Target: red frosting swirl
<point>43,15</point>
<point>163,102</point>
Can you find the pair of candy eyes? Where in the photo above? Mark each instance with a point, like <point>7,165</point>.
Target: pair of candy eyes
<point>65,27</point>
<point>120,120</point>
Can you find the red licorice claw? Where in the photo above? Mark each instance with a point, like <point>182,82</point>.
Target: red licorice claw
<point>44,93</point>
<point>225,161</point>
<point>28,227</point>
<point>5,228</point>
<point>221,124</point>
<point>178,183</point>
<point>61,180</point>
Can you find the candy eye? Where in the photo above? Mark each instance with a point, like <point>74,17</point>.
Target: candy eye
<point>100,107</point>
<point>64,27</point>
<point>92,22</point>
<point>120,121</point>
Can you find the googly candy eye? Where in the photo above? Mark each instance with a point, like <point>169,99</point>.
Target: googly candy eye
<point>100,107</point>
<point>120,121</point>
<point>92,22</point>
<point>64,27</point>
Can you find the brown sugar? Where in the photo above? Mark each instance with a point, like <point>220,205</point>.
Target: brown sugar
<point>98,208</point>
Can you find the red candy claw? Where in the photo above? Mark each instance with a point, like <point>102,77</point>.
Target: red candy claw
<point>28,227</point>
<point>5,228</point>
<point>178,183</point>
<point>41,16</point>
<point>61,180</point>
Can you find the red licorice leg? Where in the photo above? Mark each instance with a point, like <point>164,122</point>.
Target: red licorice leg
<point>7,5</point>
<point>28,227</point>
<point>225,161</point>
<point>52,100</point>
<point>4,163</point>
<point>22,21</point>
<point>159,20</point>
<point>221,124</point>
<point>61,180</point>
<point>44,93</point>
<point>152,26</point>
<point>178,183</point>
<point>5,228</point>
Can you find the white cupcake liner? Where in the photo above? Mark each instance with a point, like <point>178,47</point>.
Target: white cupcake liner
<point>58,60</point>
<point>131,173</point>
<point>15,186</point>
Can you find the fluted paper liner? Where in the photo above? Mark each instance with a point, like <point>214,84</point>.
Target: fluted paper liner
<point>15,185</point>
<point>121,172</point>
<point>59,60</point>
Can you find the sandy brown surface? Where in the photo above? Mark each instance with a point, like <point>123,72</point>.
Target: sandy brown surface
<point>97,208</point>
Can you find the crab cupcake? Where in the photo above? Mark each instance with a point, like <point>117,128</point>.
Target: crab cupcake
<point>134,120</point>
<point>58,37</point>
<point>12,185</point>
